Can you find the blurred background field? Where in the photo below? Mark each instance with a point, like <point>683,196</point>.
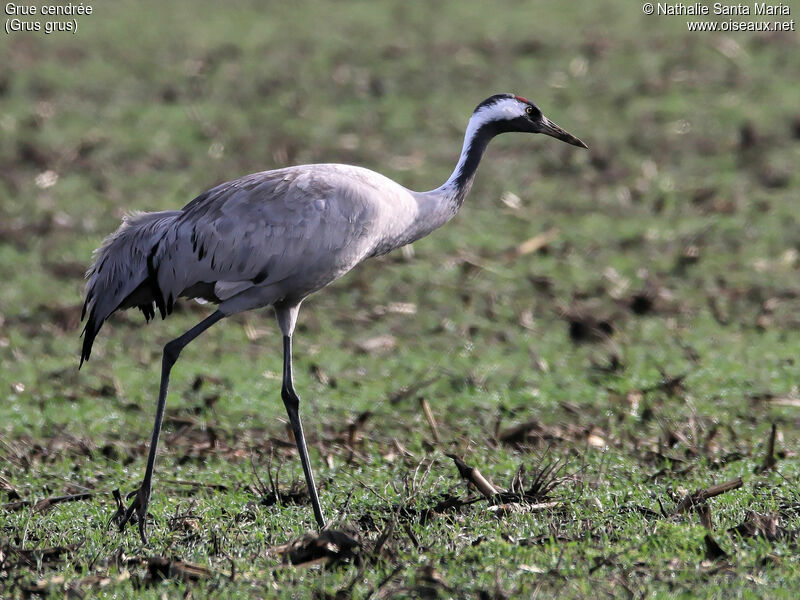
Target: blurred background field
<point>630,312</point>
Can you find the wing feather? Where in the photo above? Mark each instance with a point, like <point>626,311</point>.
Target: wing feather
<point>303,226</point>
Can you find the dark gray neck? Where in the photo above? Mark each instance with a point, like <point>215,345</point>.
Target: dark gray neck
<point>476,139</point>
<point>437,207</point>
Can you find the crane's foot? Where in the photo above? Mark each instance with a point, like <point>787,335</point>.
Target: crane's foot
<point>135,513</point>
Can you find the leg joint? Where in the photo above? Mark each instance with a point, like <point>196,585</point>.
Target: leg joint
<point>172,350</point>
<point>290,398</point>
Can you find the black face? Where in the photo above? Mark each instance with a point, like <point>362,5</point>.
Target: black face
<point>535,122</point>
<point>533,112</point>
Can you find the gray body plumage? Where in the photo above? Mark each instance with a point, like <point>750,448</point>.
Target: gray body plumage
<point>265,238</point>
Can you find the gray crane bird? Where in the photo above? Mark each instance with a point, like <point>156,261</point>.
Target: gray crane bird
<point>273,238</point>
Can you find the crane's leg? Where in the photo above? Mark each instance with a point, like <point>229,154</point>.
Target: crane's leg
<point>292,403</point>
<point>141,497</point>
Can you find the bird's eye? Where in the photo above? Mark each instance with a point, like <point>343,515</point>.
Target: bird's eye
<point>529,110</point>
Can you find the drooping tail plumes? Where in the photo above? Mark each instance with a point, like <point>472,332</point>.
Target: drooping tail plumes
<point>119,274</point>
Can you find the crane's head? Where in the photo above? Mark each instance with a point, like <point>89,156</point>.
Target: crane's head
<point>507,112</point>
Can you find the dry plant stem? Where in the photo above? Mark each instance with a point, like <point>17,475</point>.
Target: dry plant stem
<point>703,495</point>
<point>426,408</point>
<point>474,476</point>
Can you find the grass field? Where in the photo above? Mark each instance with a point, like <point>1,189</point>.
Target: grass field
<point>607,334</point>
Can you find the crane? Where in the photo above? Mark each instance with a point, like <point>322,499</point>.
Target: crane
<point>273,238</point>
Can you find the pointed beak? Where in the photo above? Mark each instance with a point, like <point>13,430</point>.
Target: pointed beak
<point>553,130</point>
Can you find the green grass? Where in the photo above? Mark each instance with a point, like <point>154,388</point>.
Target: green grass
<point>684,208</point>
